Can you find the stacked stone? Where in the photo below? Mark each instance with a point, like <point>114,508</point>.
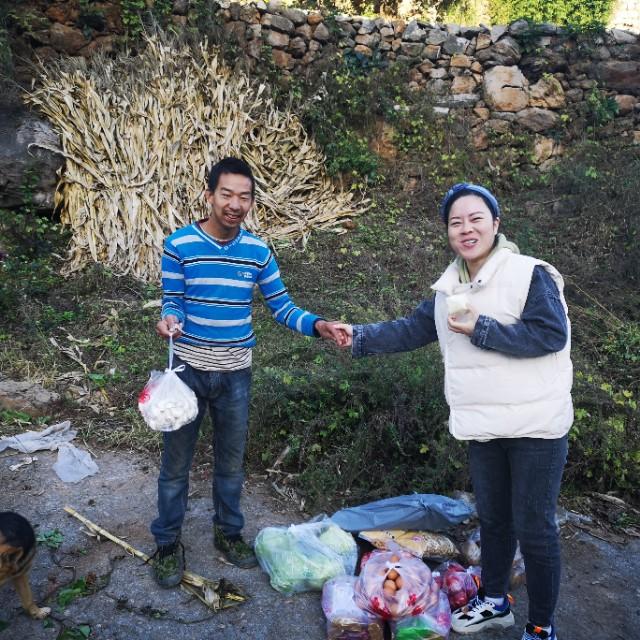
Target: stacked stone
<point>295,37</point>
<point>509,77</point>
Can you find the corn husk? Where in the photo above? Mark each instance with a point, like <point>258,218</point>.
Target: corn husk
<point>138,135</point>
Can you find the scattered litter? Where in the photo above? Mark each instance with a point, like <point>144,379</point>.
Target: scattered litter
<point>215,594</point>
<point>23,463</point>
<point>48,439</point>
<point>74,464</point>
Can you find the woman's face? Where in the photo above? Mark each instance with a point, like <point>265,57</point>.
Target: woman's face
<point>472,230</point>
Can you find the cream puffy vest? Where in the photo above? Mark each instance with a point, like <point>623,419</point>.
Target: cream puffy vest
<point>490,394</point>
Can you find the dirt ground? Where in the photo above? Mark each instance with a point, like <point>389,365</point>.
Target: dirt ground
<point>600,590</point>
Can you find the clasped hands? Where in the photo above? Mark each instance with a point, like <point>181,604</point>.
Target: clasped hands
<point>339,333</point>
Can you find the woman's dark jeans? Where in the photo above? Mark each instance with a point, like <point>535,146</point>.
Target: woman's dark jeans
<point>227,395</point>
<point>516,483</point>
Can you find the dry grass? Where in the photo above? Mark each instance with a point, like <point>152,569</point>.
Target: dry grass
<point>138,135</point>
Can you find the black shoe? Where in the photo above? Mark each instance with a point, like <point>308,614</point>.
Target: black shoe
<point>234,549</point>
<point>168,564</point>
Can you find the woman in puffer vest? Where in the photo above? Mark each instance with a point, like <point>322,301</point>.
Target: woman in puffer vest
<point>501,321</point>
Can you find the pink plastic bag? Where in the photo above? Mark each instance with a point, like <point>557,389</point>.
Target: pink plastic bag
<point>460,584</point>
<point>394,584</point>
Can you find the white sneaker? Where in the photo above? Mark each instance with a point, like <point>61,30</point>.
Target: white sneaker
<point>480,614</point>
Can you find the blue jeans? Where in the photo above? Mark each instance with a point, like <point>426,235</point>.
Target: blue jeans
<point>516,483</point>
<point>227,395</point>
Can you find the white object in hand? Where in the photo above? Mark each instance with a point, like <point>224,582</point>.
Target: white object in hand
<point>457,304</point>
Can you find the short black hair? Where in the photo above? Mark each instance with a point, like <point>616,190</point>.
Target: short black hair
<point>230,165</point>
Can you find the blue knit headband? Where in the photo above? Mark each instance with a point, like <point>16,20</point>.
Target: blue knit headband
<point>466,188</point>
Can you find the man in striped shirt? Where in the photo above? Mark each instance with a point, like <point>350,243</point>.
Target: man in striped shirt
<point>209,270</point>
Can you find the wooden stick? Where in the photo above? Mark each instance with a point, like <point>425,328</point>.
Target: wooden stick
<point>191,582</point>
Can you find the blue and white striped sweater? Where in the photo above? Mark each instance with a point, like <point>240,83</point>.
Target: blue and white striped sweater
<point>209,287</point>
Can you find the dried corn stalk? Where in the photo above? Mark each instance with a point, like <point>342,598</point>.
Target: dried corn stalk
<point>138,134</point>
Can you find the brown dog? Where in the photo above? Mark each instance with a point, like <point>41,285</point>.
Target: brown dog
<point>17,549</point>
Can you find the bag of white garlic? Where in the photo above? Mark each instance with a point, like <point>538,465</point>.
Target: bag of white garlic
<point>166,403</point>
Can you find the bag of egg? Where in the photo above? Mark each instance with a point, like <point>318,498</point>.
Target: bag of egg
<point>394,584</point>
<point>166,403</point>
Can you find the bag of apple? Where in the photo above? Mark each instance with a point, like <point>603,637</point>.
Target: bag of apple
<point>460,584</point>
<point>166,403</point>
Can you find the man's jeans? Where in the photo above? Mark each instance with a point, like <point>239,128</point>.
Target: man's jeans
<point>227,395</point>
<point>516,483</point>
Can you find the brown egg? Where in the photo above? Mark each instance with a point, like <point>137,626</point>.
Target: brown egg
<point>399,582</point>
<point>389,594</point>
<point>393,574</point>
<point>389,585</point>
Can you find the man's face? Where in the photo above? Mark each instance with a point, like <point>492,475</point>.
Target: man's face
<point>230,202</point>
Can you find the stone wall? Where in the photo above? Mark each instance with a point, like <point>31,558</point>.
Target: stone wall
<point>506,72</point>
<point>507,78</point>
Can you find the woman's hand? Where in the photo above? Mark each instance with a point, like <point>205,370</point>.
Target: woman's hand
<point>463,322</point>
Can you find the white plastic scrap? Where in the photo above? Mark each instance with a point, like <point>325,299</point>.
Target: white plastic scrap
<point>48,439</point>
<point>74,464</point>
<point>23,463</point>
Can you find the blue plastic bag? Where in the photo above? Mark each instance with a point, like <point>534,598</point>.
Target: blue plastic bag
<point>415,512</point>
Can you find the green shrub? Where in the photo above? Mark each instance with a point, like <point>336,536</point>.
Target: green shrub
<point>605,437</point>
<point>601,108</point>
<point>581,14</point>
<point>358,430</point>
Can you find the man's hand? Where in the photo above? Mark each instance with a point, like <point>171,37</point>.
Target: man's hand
<point>333,331</point>
<point>169,327</point>
<point>463,322</point>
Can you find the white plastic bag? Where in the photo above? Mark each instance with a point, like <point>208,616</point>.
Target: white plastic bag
<point>166,403</point>
<point>74,464</point>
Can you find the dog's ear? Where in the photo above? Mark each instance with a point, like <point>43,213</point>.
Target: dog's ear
<point>10,557</point>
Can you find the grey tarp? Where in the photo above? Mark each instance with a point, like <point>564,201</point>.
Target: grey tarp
<point>414,512</point>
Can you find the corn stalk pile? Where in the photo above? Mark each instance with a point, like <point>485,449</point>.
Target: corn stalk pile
<point>139,134</point>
